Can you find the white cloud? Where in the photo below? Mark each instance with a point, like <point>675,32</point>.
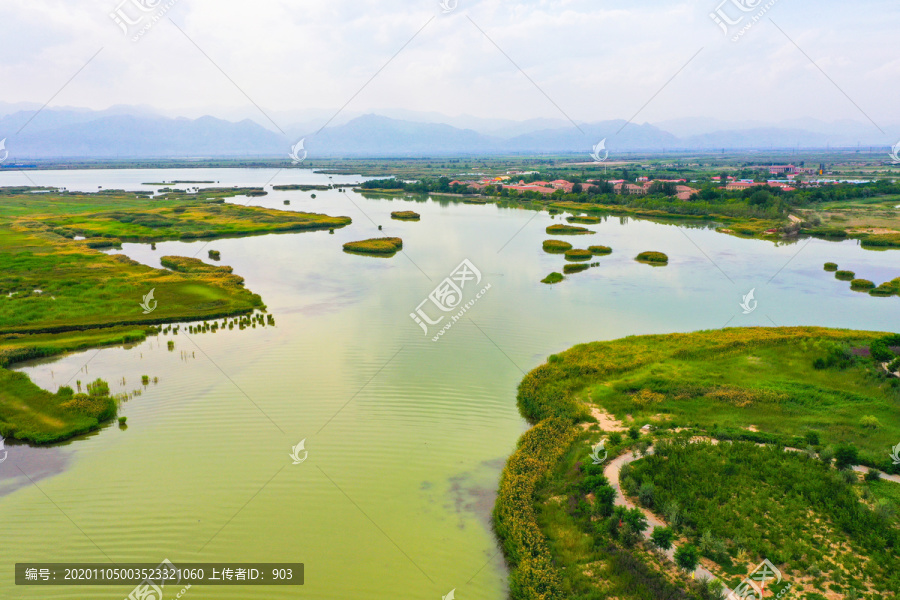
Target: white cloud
<point>595,59</point>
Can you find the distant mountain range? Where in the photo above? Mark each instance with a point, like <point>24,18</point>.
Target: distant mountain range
<point>139,132</point>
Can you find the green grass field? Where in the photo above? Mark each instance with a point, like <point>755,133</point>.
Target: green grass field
<point>774,386</point>
<point>59,294</point>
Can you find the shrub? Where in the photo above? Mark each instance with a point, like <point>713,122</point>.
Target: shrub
<point>662,537</point>
<point>812,438</point>
<point>656,258</point>
<point>647,494</point>
<point>826,455</point>
<point>831,267</point>
<point>687,557</point>
<point>556,246</point>
<point>615,438</point>
<point>405,215</point>
<point>171,345</point>
<point>145,379</point>
<point>846,456</point>
<point>552,278</point>
<point>873,475</point>
<point>845,275</point>
<point>577,254</point>
<point>98,389</point>
<point>567,230</point>
<point>600,250</point>
<point>862,285</point>
<point>65,392</point>
<point>215,254</point>
<point>383,246</point>
<point>122,420</point>
<point>870,422</point>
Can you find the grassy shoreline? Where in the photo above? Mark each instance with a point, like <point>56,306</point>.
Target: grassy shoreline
<point>60,294</point>
<point>556,398</point>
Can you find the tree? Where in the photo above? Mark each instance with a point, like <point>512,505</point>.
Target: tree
<point>636,519</point>
<point>687,557</point>
<point>662,537</point>
<point>845,456</point>
<point>604,500</point>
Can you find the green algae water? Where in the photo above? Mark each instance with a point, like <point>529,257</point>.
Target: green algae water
<point>404,437</point>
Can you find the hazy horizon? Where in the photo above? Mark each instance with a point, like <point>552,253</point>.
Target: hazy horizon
<point>561,60</point>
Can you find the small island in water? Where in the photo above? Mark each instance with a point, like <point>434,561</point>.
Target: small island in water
<point>384,247</point>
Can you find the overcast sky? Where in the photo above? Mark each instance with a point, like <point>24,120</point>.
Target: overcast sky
<point>587,60</point>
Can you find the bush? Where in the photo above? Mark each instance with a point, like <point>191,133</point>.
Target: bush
<point>615,438</point>
<point>633,432</point>
<point>65,392</point>
<point>812,438</point>
<point>98,389</point>
<point>862,285</point>
<point>846,456</point>
<point>662,537</point>
<point>647,494</point>
<point>869,422</point>
<point>122,420</point>
<point>687,557</point>
<point>873,475</point>
<point>577,254</point>
<point>657,258</point>
<point>552,278</point>
<point>600,250</point>
<point>556,246</point>
<point>845,275</point>
<point>831,267</point>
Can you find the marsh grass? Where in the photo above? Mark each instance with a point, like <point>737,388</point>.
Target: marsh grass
<point>386,247</point>
<point>556,246</point>
<point>654,258</point>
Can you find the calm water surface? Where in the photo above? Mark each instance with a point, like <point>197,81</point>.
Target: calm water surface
<point>406,437</point>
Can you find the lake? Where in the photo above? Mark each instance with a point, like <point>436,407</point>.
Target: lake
<point>405,436</point>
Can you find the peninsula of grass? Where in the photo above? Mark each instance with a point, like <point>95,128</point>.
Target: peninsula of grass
<point>797,387</point>
<point>578,254</point>
<point>831,267</point>
<point>385,247</point>
<point>653,258</point>
<point>556,246</point>
<point>585,219</point>
<point>862,285</point>
<point>406,215</point>
<point>575,268</point>
<point>58,294</point>
<point>553,278</point>
<point>845,275</point>
<point>561,229</point>
<point>600,250</point>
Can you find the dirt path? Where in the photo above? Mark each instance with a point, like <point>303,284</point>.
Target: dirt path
<point>612,471</point>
